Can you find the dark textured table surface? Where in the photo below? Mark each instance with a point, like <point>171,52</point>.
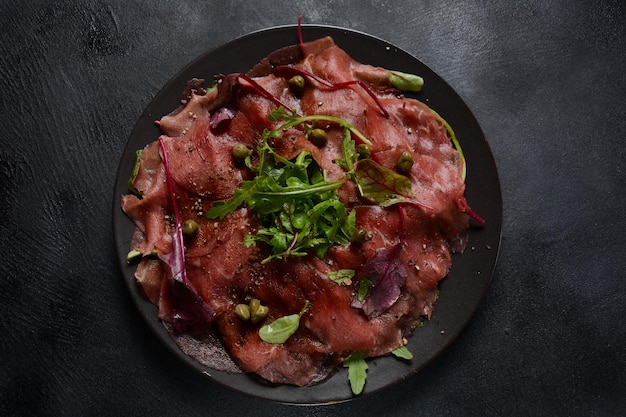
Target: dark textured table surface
<point>544,79</point>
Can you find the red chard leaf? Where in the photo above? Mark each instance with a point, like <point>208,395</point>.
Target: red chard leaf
<point>190,312</point>
<point>387,275</point>
<point>384,186</point>
<point>221,115</point>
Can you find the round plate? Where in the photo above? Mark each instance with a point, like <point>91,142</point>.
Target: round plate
<point>460,293</point>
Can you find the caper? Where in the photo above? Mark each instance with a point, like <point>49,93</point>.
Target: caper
<point>190,229</point>
<point>364,150</point>
<point>243,312</point>
<point>405,163</point>
<point>254,305</point>
<point>259,314</point>
<point>257,311</point>
<point>241,151</point>
<point>296,84</point>
<point>359,237</point>
<point>318,137</point>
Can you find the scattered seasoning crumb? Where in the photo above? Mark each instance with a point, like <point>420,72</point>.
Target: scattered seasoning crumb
<point>488,247</point>
<point>424,246</point>
<point>442,332</point>
<point>388,48</point>
<point>473,248</point>
<point>320,103</point>
<point>404,341</point>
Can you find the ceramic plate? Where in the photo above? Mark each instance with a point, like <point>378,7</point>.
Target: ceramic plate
<point>460,293</point>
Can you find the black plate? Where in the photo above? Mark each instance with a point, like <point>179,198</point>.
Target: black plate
<point>461,292</point>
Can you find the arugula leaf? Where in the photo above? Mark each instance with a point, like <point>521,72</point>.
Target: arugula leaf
<point>403,353</point>
<point>291,120</point>
<point>281,329</point>
<point>349,155</point>
<point>222,208</point>
<point>298,208</point>
<point>357,371</point>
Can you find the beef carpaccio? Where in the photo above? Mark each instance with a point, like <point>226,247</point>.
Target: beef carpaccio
<point>403,250</point>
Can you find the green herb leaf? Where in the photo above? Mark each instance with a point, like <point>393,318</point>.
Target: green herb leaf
<point>222,208</point>
<point>299,209</point>
<point>133,256</point>
<point>384,186</point>
<point>131,187</point>
<point>357,371</point>
<point>342,276</point>
<point>454,140</point>
<point>403,353</point>
<point>364,287</point>
<point>406,82</point>
<point>349,154</point>
<point>291,120</point>
<point>281,329</point>
<point>381,185</point>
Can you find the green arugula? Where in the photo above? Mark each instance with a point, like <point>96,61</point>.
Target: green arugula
<point>357,371</point>
<point>292,119</point>
<point>298,208</point>
<point>349,155</point>
<point>403,353</point>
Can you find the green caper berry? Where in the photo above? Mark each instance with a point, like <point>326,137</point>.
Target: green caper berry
<point>260,314</point>
<point>243,312</point>
<point>364,150</point>
<point>359,237</point>
<point>241,151</point>
<point>405,163</point>
<point>296,84</point>
<point>190,228</point>
<point>318,137</point>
